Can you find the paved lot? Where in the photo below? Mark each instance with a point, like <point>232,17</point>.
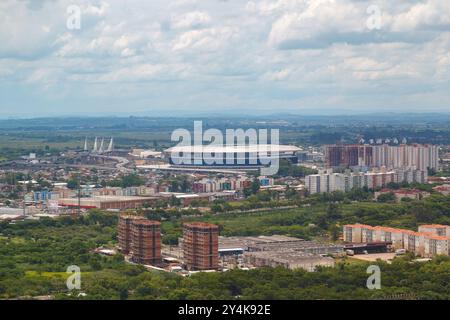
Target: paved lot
<point>374,256</point>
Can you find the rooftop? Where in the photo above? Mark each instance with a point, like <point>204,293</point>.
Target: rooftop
<point>108,198</point>
<point>288,256</point>
<point>143,222</point>
<point>434,226</point>
<point>235,149</point>
<point>403,231</point>
<point>199,225</point>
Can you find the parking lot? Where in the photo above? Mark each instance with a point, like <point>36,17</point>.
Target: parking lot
<point>375,256</point>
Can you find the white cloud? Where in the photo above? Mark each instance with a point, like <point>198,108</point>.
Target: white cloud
<point>191,20</point>
<point>430,14</point>
<point>277,75</point>
<point>266,53</point>
<point>206,39</point>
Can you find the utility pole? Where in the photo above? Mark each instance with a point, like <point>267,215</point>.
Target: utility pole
<point>79,196</point>
<point>24,205</point>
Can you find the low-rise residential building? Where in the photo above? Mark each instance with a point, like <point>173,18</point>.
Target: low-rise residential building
<point>393,235</point>
<point>437,229</point>
<point>413,194</point>
<point>206,185</point>
<point>415,241</point>
<point>429,240</point>
<point>353,232</point>
<point>443,189</point>
<point>436,245</point>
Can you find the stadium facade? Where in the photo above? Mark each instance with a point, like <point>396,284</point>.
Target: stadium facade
<point>238,156</point>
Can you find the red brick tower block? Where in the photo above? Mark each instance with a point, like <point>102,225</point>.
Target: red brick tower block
<point>201,246</point>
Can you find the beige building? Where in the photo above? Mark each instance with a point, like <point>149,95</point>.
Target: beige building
<point>415,241</point>
<point>437,229</point>
<point>394,235</point>
<point>353,232</point>
<point>435,245</point>
<point>430,240</point>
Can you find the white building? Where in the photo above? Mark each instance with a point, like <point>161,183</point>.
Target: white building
<point>415,155</point>
<point>326,181</point>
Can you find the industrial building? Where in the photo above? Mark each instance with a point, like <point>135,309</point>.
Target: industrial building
<point>201,246</point>
<point>10,214</point>
<point>312,247</point>
<point>288,259</point>
<point>145,241</point>
<point>277,250</point>
<point>108,202</point>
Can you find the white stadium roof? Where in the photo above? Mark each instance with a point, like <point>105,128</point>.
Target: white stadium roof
<point>235,149</point>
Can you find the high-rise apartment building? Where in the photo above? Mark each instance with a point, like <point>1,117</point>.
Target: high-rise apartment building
<point>416,156</point>
<point>146,241</point>
<point>342,155</point>
<point>124,232</point>
<point>327,181</point>
<point>201,246</point>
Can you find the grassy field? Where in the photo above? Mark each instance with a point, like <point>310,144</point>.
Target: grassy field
<point>15,144</point>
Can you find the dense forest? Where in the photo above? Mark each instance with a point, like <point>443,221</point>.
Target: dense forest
<point>34,256</point>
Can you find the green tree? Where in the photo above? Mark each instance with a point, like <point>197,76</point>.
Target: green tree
<point>386,197</point>
<point>73,184</point>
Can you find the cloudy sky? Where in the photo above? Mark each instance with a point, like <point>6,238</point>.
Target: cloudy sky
<point>181,57</point>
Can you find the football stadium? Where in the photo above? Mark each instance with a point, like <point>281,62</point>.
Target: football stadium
<point>237,156</point>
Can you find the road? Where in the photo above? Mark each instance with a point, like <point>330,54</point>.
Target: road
<point>120,165</point>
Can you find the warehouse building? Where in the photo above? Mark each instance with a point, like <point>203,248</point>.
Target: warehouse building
<point>250,241</point>
<point>108,202</point>
<point>288,259</point>
<point>312,247</point>
<point>279,250</point>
